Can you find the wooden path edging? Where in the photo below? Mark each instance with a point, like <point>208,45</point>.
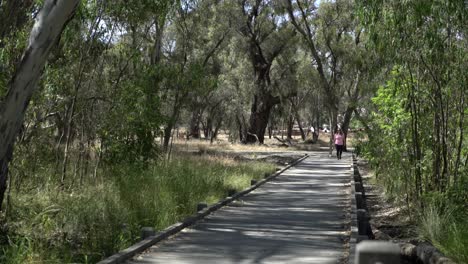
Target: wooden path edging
<point>422,253</point>
<point>177,227</point>
<point>353,239</point>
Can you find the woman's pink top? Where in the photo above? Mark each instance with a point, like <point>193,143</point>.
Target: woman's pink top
<point>338,139</point>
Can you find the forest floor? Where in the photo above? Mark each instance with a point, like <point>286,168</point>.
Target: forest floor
<point>390,221</point>
<point>272,151</point>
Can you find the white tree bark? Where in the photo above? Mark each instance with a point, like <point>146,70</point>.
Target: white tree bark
<point>49,24</point>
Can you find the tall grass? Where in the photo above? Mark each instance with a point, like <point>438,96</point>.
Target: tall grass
<point>433,223</point>
<point>88,223</point>
<point>445,230</point>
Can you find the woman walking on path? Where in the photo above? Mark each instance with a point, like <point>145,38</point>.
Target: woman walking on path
<point>339,143</point>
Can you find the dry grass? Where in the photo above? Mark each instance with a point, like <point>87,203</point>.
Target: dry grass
<point>222,144</point>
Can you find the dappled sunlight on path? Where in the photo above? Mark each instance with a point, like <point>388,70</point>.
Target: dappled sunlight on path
<point>299,217</point>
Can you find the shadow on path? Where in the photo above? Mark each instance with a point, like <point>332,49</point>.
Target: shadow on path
<point>300,217</point>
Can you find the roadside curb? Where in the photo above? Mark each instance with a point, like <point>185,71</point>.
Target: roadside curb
<point>177,227</point>
<point>353,238</point>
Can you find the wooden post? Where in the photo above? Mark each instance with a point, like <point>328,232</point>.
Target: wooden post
<point>359,200</point>
<point>231,192</point>
<point>382,252</point>
<point>201,206</point>
<point>147,232</point>
<point>358,187</point>
<point>363,222</point>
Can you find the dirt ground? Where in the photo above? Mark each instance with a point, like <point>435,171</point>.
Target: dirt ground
<point>273,150</point>
<point>222,144</point>
<point>389,220</point>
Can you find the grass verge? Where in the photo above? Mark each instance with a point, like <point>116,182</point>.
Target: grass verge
<point>104,215</point>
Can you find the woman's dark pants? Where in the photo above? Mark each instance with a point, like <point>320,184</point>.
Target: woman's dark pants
<point>339,151</point>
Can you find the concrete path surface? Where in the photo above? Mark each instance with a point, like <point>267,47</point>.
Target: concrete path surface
<point>299,217</point>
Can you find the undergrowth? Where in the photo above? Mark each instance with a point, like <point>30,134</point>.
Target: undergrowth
<point>84,224</point>
<point>441,217</point>
<point>444,224</point>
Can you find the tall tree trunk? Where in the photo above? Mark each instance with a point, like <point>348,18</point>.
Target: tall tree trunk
<point>167,137</point>
<point>215,132</point>
<point>195,124</point>
<point>436,152</point>
<point>208,127</point>
<point>460,141</point>
<point>299,123</point>
<point>345,125</point>
<point>350,109</point>
<point>304,28</point>
<point>156,53</point>
<point>303,136</point>
<point>333,125</point>
<point>260,114</point>
<point>290,126</point>
<point>51,21</point>
<point>68,138</point>
<point>172,122</point>
<point>169,127</point>
<point>263,100</point>
<point>316,134</point>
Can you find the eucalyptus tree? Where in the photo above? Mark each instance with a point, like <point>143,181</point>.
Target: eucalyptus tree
<point>333,37</point>
<point>425,93</point>
<point>265,34</point>
<point>91,95</point>
<point>49,25</point>
<point>309,94</point>
<point>191,60</point>
<point>286,80</point>
<point>236,82</point>
<point>84,49</point>
<point>132,117</point>
<point>213,32</point>
<point>302,15</point>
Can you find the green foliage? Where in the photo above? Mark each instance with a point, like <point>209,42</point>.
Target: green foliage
<point>105,215</point>
<point>416,134</point>
<point>387,148</point>
<point>129,130</point>
<point>11,48</point>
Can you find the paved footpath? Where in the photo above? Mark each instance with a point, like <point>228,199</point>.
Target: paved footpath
<point>299,217</point>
